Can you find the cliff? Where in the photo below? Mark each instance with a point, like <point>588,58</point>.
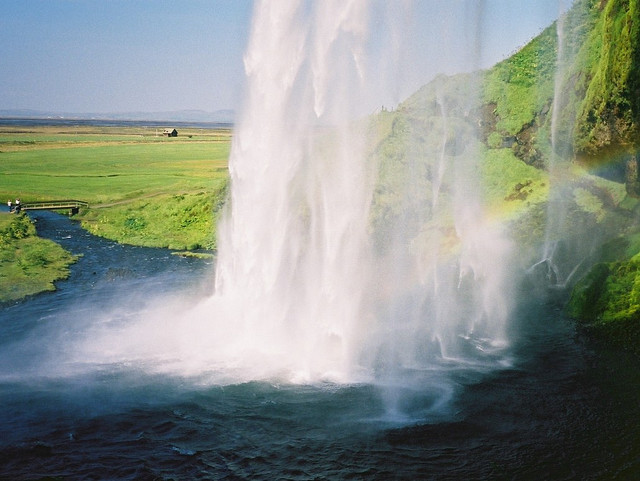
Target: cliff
<point>556,129</point>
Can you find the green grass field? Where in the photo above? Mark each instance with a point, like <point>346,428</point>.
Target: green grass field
<point>142,188</point>
<point>101,167</point>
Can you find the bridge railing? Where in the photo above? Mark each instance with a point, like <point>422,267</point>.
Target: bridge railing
<point>54,205</point>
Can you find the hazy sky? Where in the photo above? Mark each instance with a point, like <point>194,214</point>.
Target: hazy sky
<point>158,55</point>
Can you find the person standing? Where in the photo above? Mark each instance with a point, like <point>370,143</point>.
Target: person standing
<point>10,205</point>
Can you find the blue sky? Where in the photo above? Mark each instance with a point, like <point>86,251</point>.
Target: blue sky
<point>159,55</point>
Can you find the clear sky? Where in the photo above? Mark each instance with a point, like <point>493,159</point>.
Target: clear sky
<point>160,55</point>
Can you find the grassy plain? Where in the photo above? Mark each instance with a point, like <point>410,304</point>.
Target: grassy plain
<point>142,188</point>
<point>103,165</point>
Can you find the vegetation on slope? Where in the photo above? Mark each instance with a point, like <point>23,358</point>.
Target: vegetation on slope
<point>518,92</point>
<point>504,118</point>
<point>607,302</point>
<point>607,137</point>
<point>530,121</point>
<point>178,221</point>
<point>596,125</point>
<point>609,115</point>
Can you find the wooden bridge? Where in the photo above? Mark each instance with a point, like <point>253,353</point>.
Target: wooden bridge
<point>72,205</point>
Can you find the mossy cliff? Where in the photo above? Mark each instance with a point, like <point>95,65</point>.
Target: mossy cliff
<point>562,115</point>
<point>608,118</point>
<point>607,138</point>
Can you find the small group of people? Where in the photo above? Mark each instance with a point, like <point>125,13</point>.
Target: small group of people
<point>14,207</point>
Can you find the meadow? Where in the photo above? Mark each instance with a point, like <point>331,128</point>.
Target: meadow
<point>142,188</point>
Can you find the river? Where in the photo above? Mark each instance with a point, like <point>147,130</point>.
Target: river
<point>563,409</point>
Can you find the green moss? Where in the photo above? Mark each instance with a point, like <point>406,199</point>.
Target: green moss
<point>589,202</point>
<point>611,292</point>
<point>607,303</point>
<point>494,141</point>
<point>587,296</point>
<point>520,85</point>
<point>511,186</point>
<point>608,116</point>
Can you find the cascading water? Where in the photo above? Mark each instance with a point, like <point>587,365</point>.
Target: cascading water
<point>559,170</point>
<point>298,272</point>
<point>294,257</point>
<point>566,251</point>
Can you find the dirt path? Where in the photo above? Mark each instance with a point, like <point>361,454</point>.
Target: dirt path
<point>145,196</point>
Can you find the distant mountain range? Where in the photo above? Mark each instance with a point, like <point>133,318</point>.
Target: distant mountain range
<point>225,116</point>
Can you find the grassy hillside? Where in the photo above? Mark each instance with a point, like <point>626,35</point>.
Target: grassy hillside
<point>175,221</point>
<point>607,139</point>
<point>608,116</point>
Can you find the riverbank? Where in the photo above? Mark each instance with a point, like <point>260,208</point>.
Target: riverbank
<point>28,264</point>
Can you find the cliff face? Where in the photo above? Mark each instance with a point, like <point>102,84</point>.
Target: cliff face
<point>571,97</point>
<point>587,116</point>
<point>608,117</point>
<point>587,68</point>
<point>607,84</point>
<point>546,104</point>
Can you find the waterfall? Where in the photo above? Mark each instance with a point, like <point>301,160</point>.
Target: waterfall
<point>305,288</point>
<point>294,251</point>
<point>563,253</point>
<point>558,167</point>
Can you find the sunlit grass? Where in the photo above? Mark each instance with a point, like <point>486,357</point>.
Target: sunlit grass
<point>511,186</point>
<point>28,264</point>
<point>142,188</point>
<point>112,172</point>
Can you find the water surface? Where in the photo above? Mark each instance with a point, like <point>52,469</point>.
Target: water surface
<point>563,409</point>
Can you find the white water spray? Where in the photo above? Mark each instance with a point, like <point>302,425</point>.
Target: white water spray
<point>294,256</point>
<point>296,269</point>
<point>558,168</point>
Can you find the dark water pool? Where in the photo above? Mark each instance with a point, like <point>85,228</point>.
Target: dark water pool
<point>562,410</point>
